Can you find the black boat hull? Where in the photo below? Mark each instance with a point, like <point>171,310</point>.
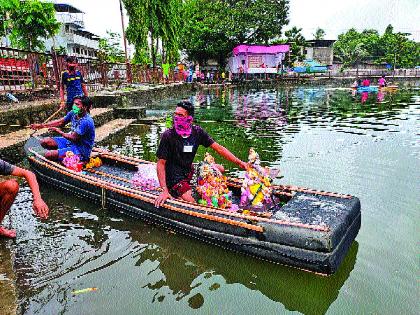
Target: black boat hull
<point>227,236</point>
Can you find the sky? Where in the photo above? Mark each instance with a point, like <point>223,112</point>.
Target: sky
<point>334,16</point>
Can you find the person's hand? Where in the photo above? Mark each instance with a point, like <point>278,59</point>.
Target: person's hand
<point>40,208</point>
<point>36,126</point>
<point>55,129</point>
<point>62,105</point>
<point>244,165</point>
<point>160,200</point>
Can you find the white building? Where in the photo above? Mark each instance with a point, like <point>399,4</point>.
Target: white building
<point>72,36</point>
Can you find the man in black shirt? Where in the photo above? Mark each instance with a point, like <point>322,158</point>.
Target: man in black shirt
<point>176,152</point>
<point>9,190</point>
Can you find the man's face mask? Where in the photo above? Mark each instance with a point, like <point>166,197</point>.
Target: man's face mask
<point>76,110</point>
<point>183,125</point>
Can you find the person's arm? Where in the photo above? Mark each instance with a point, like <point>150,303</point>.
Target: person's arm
<point>84,89</point>
<point>72,136</point>
<point>39,206</point>
<point>62,102</point>
<point>222,151</point>
<point>55,123</point>
<point>161,174</point>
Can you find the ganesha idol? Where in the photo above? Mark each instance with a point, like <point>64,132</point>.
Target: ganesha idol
<point>256,187</point>
<point>212,185</point>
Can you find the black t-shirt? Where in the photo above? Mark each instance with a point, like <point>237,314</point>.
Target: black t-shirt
<point>6,168</point>
<point>179,153</point>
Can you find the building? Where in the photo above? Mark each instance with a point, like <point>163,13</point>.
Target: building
<point>72,36</point>
<point>320,50</point>
<point>257,59</point>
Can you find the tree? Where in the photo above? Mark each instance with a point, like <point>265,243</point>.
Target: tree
<point>109,48</point>
<point>214,27</point>
<point>350,49</point>
<point>32,21</point>
<point>268,18</point>
<point>398,50</point>
<point>153,26</point>
<point>319,34</point>
<point>6,6</point>
<point>392,48</point>
<point>297,43</point>
<point>203,36</point>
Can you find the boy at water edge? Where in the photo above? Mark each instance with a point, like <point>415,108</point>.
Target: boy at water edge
<point>9,190</point>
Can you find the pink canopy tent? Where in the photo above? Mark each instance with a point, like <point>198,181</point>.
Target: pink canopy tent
<point>255,49</point>
<point>257,59</point>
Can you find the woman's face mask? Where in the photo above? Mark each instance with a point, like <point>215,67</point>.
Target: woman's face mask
<point>183,125</point>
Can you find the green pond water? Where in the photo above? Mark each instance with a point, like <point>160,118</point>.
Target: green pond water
<point>319,137</point>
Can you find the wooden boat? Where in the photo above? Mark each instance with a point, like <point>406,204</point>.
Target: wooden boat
<point>372,88</point>
<point>361,89</point>
<point>388,88</point>
<point>308,229</point>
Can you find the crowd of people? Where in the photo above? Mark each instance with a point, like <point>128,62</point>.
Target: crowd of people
<point>366,82</point>
<point>194,74</point>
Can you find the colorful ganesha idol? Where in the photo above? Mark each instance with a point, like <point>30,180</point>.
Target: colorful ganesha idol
<point>256,187</point>
<point>212,186</point>
<point>72,161</point>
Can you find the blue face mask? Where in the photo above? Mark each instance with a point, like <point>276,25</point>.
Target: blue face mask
<point>75,110</point>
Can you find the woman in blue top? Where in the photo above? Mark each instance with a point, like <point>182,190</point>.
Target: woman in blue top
<point>79,140</point>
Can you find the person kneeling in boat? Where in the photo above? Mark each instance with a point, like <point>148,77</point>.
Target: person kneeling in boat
<point>79,140</point>
<point>176,152</point>
<point>9,190</point>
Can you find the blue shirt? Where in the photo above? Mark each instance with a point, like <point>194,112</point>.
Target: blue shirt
<point>85,128</point>
<point>73,83</point>
<point>6,168</point>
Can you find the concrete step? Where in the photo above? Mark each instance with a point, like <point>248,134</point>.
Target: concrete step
<point>11,144</point>
<point>111,128</point>
<point>101,115</point>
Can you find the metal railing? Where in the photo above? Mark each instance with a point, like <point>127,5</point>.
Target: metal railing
<point>22,70</point>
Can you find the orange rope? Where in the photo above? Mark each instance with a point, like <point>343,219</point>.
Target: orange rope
<point>99,183</point>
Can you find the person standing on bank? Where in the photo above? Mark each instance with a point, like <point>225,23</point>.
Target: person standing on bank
<point>72,80</point>
<point>9,190</point>
<point>176,152</point>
